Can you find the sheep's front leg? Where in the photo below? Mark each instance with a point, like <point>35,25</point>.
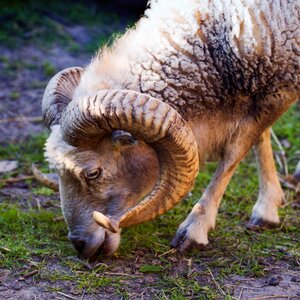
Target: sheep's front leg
<point>193,232</point>
<point>271,196</point>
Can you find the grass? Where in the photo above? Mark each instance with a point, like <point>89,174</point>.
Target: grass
<point>49,69</point>
<point>35,238</point>
<point>26,153</point>
<point>47,23</point>
<point>35,232</point>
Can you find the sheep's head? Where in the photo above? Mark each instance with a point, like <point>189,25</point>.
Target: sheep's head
<point>108,176</point>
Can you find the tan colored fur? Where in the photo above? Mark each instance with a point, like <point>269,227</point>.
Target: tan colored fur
<point>128,173</point>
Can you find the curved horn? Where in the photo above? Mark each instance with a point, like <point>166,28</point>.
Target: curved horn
<point>58,93</point>
<point>151,120</point>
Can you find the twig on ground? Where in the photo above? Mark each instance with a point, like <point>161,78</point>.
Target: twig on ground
<point>85,264</point>
<point>21,119</point>
<point>246,287</point>
<point>161,245</point>
<point>290,185</point>
<point>67,296</point>
<point>283,223</point>
<point>216,283</point>
<point>55,205</point>
<point>287,197</point>
<point>292,273</point>
<point>250,234</point>
<point>38,203</point>
<point>167,252</point>
<point>270,297</point>
<point>143,292</point>
<point>241,293</point>
<point>5,250</point>
<point>133,266</point>
<point>190,271</point>
<point>17,179</point>
<point>100,264</point>
<point>29,274</point>
<point>121,274</point>
<point>49,180</point>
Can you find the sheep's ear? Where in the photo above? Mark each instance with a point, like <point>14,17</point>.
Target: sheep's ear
<point>122,138</point>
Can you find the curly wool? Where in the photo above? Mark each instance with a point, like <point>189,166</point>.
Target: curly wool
<point>204,56</point>
<point>57,151</point>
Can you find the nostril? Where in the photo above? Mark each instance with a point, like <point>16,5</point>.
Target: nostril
<point>86,242</point>
<point>78,243</point>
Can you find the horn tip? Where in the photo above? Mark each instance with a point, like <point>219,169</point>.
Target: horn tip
<point>105,222</point>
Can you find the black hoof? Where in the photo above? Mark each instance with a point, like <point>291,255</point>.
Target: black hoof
<point>179,239</point>
<point>258,224</point>
<point>184,244</point>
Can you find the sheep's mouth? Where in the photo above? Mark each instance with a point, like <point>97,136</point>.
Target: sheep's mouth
<point>104,249</point>
<point>91,247</point>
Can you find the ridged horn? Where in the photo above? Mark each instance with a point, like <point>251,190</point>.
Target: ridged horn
<point>87,120</point>
<point>58,93</point>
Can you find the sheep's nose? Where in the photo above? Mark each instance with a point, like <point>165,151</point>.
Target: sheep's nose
<point>87,242</point>
<point>78,242</point>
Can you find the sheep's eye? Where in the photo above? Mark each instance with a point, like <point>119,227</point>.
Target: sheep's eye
<point>92,174</point>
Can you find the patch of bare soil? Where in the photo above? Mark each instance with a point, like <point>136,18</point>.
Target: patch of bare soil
<point>280,283</point>
<point>24,75</point>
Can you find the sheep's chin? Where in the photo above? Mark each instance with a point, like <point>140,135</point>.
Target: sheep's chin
<point>111,243</point>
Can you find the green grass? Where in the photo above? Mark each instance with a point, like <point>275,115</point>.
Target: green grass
<point>151,269</point>
<point>49,69</point>
<point>35,233</point>
<point>43,191</point>
<point>46,23</point>
<point>26,153</point>
<point>36,238</point>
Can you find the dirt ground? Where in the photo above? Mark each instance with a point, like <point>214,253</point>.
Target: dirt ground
<point>28,84</point>
<point>21,89</point>
<point>141,287</point>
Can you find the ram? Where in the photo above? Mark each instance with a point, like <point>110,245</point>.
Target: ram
<point>193,81</point>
